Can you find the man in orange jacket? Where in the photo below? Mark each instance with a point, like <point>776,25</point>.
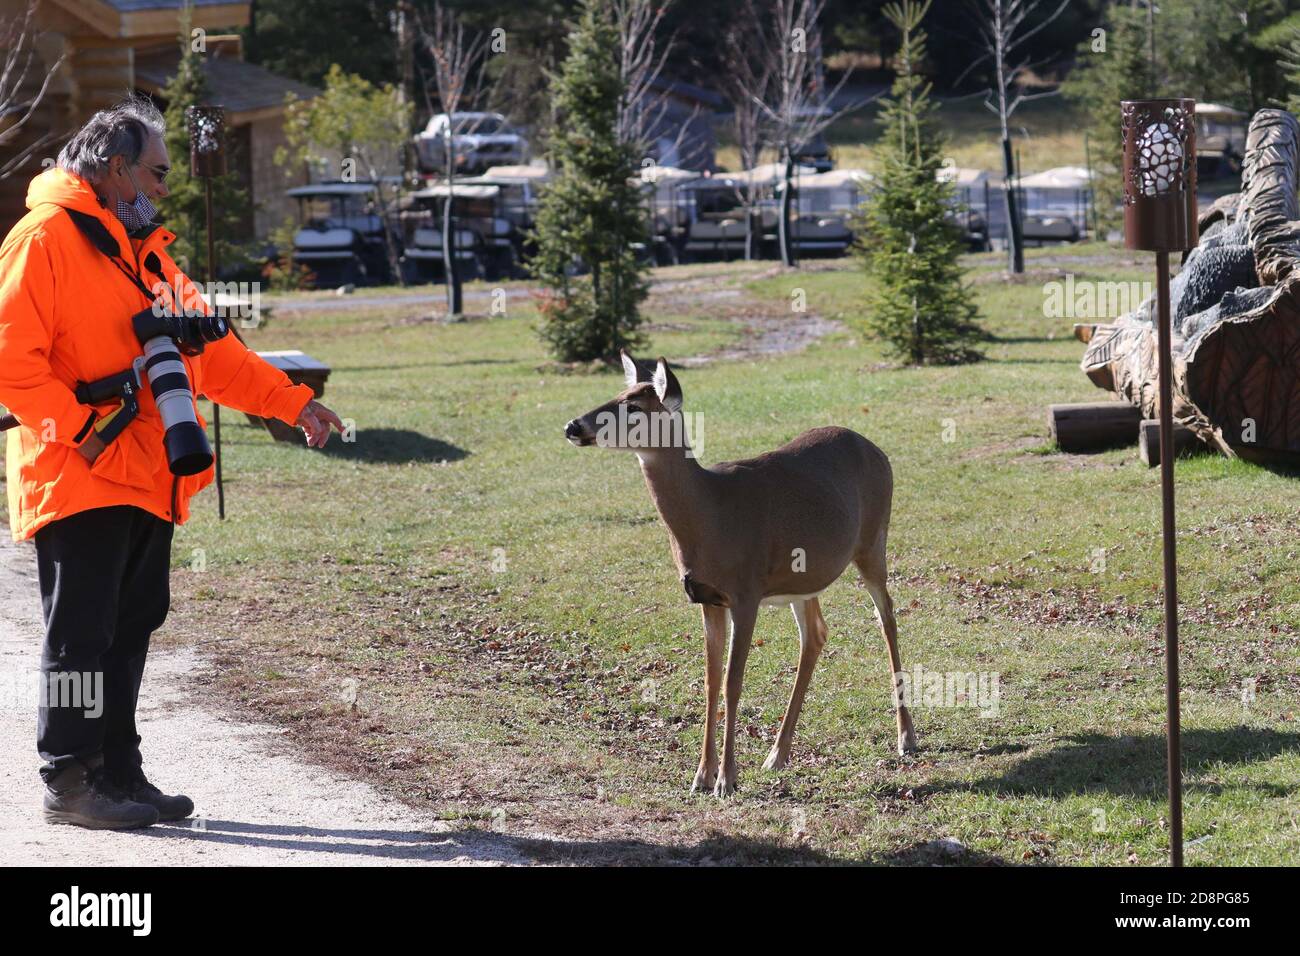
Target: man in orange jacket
<point>102,514</point>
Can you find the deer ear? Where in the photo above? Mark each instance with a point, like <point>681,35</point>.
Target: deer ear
<point>630,373</point>
<point>667,387</point>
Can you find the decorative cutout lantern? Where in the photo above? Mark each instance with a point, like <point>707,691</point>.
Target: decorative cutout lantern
<point>1160,215</point>
<point>207,140</point>
<point>1159,174</point>
<point>207,161</point>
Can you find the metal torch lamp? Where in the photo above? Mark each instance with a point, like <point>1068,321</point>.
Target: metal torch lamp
<point>1160,216</point>
<point>207,161</point>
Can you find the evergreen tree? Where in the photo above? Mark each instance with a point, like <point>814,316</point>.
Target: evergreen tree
<point>1290,64</point>
<point>184,209</point>
<point>591,219</point>
<point>909,243</point>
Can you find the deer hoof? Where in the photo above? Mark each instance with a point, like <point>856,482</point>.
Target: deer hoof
<point>907,743</point>
<point>775,760</point>
<point>725,786</point>
<point>704,780</point>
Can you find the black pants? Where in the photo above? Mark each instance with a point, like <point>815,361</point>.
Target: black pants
<point>104,591</point>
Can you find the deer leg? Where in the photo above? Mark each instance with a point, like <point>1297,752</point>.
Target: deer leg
<point>812,638</point>
<point>715,638</point>
<point>743,616</point>
<point>874,575</point>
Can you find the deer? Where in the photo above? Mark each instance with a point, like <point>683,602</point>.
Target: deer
<point>767,531</point>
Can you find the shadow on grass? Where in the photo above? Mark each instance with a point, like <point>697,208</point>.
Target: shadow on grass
<point>486,846</point>
<point>722,850</point>
<point>398,446</point>
<point>1135,766</point>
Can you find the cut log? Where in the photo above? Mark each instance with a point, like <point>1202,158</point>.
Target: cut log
<point>1089,426</point>
<point>1149,441</point>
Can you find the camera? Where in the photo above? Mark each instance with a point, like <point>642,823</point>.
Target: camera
<point>191,331</point>
<point>164,336</point>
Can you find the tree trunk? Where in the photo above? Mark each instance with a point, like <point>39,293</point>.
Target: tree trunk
<point>450,264</point>
<point>788,257</point>
<point>1015,244</point>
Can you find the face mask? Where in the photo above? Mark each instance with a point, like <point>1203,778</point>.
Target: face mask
<point>135,215</point>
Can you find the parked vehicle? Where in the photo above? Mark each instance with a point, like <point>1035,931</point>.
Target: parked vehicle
<point>824,205</point>
<point>478,140</point>
<point>484,238</point>
<point>520,192</point>
<point>716,210</point>
<point>1220,140</point>
<point>668,211</point>
<point>971,200</point>
<point>341,234</point>
<point>717,207</point>
<point>815,153</point>
<point>1055,204</point>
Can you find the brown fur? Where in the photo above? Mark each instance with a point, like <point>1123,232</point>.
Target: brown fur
<point>739,531</point>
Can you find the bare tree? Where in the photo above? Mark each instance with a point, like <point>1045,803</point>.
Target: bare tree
<point>458,78</point>
<point>18,42</point>
<point>644,103</point>
<point>641,61</point>
<point>746,78</point>
<point>1003,29</point>
<point>799,107</point>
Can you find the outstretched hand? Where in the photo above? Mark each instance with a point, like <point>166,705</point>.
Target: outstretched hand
<point>315,421</point>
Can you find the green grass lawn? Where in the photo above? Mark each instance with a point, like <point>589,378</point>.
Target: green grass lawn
<point>480,618</point>
<point>1045,133</point>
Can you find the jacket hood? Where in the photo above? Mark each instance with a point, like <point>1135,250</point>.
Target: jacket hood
<point>64,189</point>
<point>59,187</point>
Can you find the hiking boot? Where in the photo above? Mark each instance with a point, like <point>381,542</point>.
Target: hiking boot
<point>85,797</point>
<point>136,786</point>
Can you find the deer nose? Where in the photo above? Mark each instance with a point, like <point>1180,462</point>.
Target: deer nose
<point>573,429</point>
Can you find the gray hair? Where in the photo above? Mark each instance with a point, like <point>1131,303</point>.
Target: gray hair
<point>121,130</point>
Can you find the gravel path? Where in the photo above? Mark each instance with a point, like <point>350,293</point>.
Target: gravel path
<point>257,804</point>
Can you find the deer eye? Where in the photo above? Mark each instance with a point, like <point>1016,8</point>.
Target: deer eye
<point>633,409</point>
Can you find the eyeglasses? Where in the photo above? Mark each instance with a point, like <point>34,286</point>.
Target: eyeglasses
<point>159,171</point>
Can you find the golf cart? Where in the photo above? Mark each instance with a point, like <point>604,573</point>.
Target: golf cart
<point>483,239</point>
<point>717,211</point>
<point>1055,204</point>
<point>341,235</point>
<point>520,189</point>
<point>668,210</point>
<point>970,197</point>
<point>824,204</point>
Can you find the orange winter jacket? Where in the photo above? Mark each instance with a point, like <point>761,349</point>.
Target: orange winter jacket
<point>65,317</point>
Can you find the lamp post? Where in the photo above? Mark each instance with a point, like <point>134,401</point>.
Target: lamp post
<point>207,161</point>
<point>1160,216</point>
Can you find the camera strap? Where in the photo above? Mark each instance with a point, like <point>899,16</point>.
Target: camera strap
<point>99,236</point>
<point>124,385</point>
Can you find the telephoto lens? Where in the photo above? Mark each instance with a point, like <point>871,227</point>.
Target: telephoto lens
<point>188,451</point>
